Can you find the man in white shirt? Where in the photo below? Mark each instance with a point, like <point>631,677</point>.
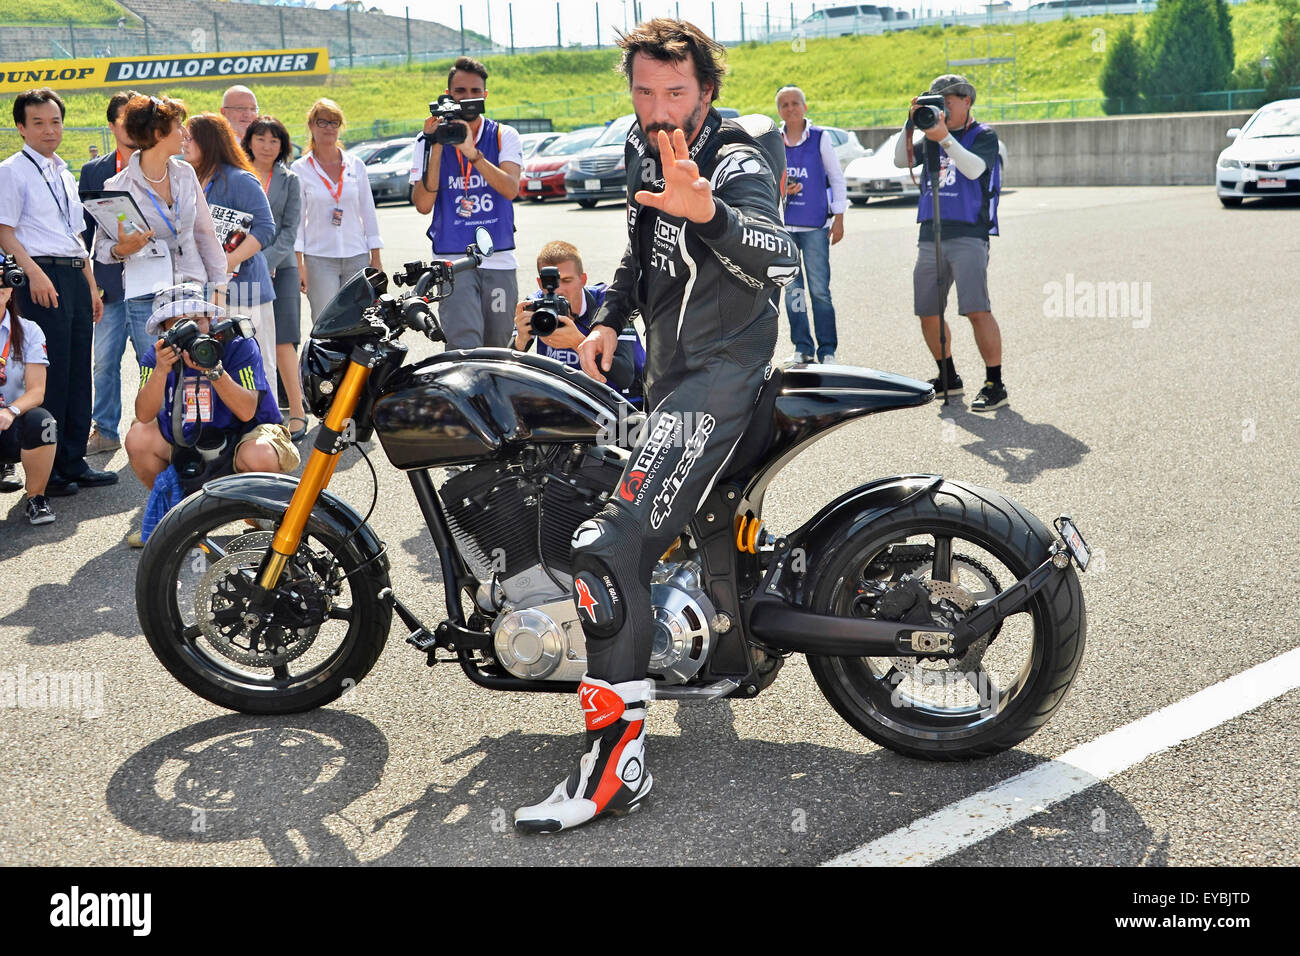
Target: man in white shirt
<point>814,217</point>
<point>239,107</point>
<point>41,219</point>
<point>467,185</point>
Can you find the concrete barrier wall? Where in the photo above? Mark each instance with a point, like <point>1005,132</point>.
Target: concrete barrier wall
<point>1174,149</point>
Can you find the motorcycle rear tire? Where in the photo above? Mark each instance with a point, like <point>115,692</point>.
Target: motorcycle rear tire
<point>207,675</point>
<point>1020,542</point>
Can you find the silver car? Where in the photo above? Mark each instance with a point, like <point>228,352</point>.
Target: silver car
<point>1264,158</point>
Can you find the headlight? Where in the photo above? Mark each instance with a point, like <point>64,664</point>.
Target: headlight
<point>1229,163</point>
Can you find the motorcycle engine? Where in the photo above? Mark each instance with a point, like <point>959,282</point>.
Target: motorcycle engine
<point>514,524</point>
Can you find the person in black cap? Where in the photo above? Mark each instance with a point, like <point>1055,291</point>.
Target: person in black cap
<point>970,180</point>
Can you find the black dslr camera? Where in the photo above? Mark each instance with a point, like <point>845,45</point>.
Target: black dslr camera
<point>928,111</point>
<point>206,351</point>
<point>547,310</point>
<point>454,116</point>
<point>11,273</point>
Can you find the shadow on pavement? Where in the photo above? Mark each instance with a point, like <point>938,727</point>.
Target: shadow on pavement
<point>1022,449</point>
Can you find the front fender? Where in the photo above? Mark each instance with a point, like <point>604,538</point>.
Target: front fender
<point>271,494</point>
<point>822,534</point>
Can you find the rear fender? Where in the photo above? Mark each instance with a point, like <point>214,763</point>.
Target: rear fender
<point>271,494</point>
<point>816,541</point>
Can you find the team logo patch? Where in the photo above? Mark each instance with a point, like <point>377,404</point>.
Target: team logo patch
<point>632,772</point>
<point>587,533</point>
<point>601,706</point>
<point>585,600</point>
<point>631,485</point>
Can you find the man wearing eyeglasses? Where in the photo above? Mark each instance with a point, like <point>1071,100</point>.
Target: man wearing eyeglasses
<point>239,107</point>
<point>41,220</point>
<point>468,185</point>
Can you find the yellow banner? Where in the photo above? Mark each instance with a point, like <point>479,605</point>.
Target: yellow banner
<point>117,71</point>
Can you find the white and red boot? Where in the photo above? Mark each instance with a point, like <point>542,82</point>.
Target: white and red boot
<point>611,776</point>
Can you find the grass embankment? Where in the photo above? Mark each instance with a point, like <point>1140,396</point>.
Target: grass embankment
<point>845,79</point>
<point>83,12</point>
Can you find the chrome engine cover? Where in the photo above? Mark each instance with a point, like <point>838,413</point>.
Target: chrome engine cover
<point>546,641</point>
<point>683,614</point>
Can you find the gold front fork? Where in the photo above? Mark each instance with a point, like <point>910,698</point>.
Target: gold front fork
<point>315,477</point>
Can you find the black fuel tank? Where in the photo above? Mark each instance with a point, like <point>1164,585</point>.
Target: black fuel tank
<point>473,404</point>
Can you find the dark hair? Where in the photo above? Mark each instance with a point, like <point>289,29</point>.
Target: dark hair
<point>215,138</point>
<point>117,101</point>
<point>268,124</point>
<point>35,98</point>
<point>15,327</point>
<point>673,41</point>
<point>149,118</point>
<point>466,64</point>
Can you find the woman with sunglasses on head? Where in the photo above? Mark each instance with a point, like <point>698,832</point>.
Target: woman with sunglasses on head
<point>28,433</point>
<point>239,208</point>
<point>266,143</point>
<point>167,191</point>
<point>339,232</point>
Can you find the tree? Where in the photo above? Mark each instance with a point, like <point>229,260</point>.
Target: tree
<point>1185,54</point>
<point>1225,32</point>
<point>1284,54</point>
<point>1121,73</point>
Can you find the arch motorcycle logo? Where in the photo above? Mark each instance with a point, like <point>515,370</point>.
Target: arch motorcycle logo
<point>648,461</point>
<point>694,448</point>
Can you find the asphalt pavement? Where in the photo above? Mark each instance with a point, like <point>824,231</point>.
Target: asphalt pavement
<point>1166,425</point>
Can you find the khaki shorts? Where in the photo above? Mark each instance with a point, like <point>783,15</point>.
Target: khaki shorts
<point>277,436</point>
<point>966,259</point>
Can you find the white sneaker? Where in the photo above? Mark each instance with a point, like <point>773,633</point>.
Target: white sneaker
<point>798,358</point>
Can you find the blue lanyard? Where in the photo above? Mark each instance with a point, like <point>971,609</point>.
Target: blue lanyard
<point>170,225</point>
<point>62,206</point>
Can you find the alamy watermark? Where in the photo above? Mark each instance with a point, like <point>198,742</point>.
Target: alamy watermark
<point>82,691</point>
<point>1085,299</point>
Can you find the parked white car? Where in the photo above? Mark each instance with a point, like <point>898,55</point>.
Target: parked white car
<point>1264,158</point>
<point>876,176</point>
<point>847,147</point>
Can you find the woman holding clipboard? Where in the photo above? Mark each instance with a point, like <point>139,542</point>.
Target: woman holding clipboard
<point>179,244</point>
<point>339,232</point>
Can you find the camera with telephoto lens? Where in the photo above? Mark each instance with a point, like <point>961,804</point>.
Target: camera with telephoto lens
<point>206,351</point>
<point>11,273</point>
<point>547,310</point>
<point>928,111</point>
<point>454,116</point>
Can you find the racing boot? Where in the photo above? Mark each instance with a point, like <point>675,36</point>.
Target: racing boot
<point>611,776</point>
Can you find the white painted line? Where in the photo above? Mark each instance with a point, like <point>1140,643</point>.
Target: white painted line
<point>983,814</point>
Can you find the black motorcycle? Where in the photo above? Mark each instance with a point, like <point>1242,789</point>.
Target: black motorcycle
<point>940,619</point>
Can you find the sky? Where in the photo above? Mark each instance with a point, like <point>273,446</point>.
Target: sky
<point>535,19</point>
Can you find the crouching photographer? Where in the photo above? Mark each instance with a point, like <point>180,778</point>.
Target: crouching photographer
<point>963,155</point>
<point>558,317</point>
<point>28,433</point>
<point>212,412</point>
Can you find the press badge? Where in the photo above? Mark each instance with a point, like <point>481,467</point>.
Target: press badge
<point>336,217</point>
<point>464,207</point>
<point>205,401</point>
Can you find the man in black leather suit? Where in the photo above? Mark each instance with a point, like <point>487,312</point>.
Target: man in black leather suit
<point>705,259</point>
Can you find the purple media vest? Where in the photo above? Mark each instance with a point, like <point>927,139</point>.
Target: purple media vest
<point>451,232</point>
<point>961,199</point>
<point>803,164</point>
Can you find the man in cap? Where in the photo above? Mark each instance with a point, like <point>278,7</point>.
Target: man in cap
<point>970,179</point>
<point>227,408</point>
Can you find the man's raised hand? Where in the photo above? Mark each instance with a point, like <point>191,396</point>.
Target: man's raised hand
<point>686,193</point>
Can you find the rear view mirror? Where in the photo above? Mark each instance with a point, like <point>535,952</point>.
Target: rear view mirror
<point>483,241</point>
<point>1234,133</point>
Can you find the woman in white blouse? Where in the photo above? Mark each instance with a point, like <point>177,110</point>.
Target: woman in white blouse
<point>339,232</point>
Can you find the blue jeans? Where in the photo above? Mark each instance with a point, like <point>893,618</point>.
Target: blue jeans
<point>110,343</point>
<point>815,244</point>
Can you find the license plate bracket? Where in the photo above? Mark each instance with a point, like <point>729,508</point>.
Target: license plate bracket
<point>591,185</point>
<point>1074,542</point>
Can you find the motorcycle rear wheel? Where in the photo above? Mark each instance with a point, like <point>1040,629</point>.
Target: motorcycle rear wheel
<point>945,710</point>
<point>201,561</point>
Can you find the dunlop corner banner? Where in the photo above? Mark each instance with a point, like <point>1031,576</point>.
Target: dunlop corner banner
<point>114,71</point>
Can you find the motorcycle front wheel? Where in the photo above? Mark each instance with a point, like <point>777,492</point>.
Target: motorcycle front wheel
<point>974,543</point>
<point>193,586</point>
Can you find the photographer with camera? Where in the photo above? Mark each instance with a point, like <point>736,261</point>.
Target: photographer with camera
<point>558,316</point>
<point>212,411</point>
<point>466,172</point>
<point>28,433</point>
<point>964,155</point>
